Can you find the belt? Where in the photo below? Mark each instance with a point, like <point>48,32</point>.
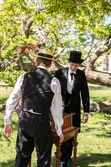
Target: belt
<point>32,111</point>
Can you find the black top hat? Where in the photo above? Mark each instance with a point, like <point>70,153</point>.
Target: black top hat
<point>75,57</point>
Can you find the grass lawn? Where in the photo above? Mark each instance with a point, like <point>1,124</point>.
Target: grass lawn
<point>4,93</point>
<point>94,148</point>
<point>100,94</point>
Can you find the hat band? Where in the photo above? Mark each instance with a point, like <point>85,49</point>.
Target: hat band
<point>45,55</point>
<point>75,61</point>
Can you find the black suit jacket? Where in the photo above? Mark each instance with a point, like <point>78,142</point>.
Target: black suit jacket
<point>80,91</point>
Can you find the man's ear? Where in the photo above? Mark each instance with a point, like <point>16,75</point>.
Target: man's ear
<point>50,64</point>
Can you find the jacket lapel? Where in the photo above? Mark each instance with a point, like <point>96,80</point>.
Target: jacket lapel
<point>65,76</point>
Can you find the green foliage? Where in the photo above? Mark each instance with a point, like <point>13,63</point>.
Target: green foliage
<point>3,100</point>
<point>88,16</point>
<point>4,93</point>
<point>10,75</point>
<point>70,24</point>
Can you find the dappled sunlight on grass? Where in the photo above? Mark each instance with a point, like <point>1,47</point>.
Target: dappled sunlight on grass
<point>94,148</point>
<point>100,94</point>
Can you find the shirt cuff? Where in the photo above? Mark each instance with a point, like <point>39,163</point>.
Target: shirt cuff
<point>8,121</point>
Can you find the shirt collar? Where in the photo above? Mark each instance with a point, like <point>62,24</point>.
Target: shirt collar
<point>41,67</point>
<point>72,72</point>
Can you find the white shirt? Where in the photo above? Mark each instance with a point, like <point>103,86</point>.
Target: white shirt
<point>56,106</point>
<point>70,83</point>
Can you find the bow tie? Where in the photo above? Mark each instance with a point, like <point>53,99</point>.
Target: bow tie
<point>72,75</point>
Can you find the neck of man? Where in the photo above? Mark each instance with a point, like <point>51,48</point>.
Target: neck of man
<point>43,65</point>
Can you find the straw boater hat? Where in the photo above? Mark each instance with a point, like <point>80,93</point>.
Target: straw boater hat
<point>75,57</point>
<point>45,54</point>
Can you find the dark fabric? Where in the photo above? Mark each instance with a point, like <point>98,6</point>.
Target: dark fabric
<point>75,57</point>
<point>66,150</point>
<point>33,130</point>
<point>72,76</point>
<point>67,103</point>
<point>36,91</point>
<point>63,164</point>
<point>80,91</point>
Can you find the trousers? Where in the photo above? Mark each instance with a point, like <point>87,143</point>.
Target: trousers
<point>33,131</point>
<point>66,150</point>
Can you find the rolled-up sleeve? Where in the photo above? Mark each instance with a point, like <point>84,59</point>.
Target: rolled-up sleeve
<point>13,100</point>
<point>56,107</point>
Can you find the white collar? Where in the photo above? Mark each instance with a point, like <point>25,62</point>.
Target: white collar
<point>72,72</point>
<point>41,67</point>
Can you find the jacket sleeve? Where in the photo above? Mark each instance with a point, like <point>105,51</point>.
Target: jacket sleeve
<point>85,95</point>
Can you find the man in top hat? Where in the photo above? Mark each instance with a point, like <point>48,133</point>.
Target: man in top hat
<point>41,95</point>
<point>73,88</point>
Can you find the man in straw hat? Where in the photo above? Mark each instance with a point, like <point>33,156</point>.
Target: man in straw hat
<point>40,95</point>
<point>73,83</point>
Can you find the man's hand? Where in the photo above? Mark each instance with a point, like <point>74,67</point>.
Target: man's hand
<point>85,118</point>
<point>61,138</point>
<point>8,130</point>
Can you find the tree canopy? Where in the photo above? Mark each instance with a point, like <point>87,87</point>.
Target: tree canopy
<point>59,24</point>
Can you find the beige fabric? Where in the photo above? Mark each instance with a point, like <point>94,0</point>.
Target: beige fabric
<point>45,52</point>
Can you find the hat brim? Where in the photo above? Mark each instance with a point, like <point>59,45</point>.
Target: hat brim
<point>45,54</point>
<point>43,57</point>
<point>74,61</point>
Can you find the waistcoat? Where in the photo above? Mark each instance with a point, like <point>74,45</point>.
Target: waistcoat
<point>36,91</point>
